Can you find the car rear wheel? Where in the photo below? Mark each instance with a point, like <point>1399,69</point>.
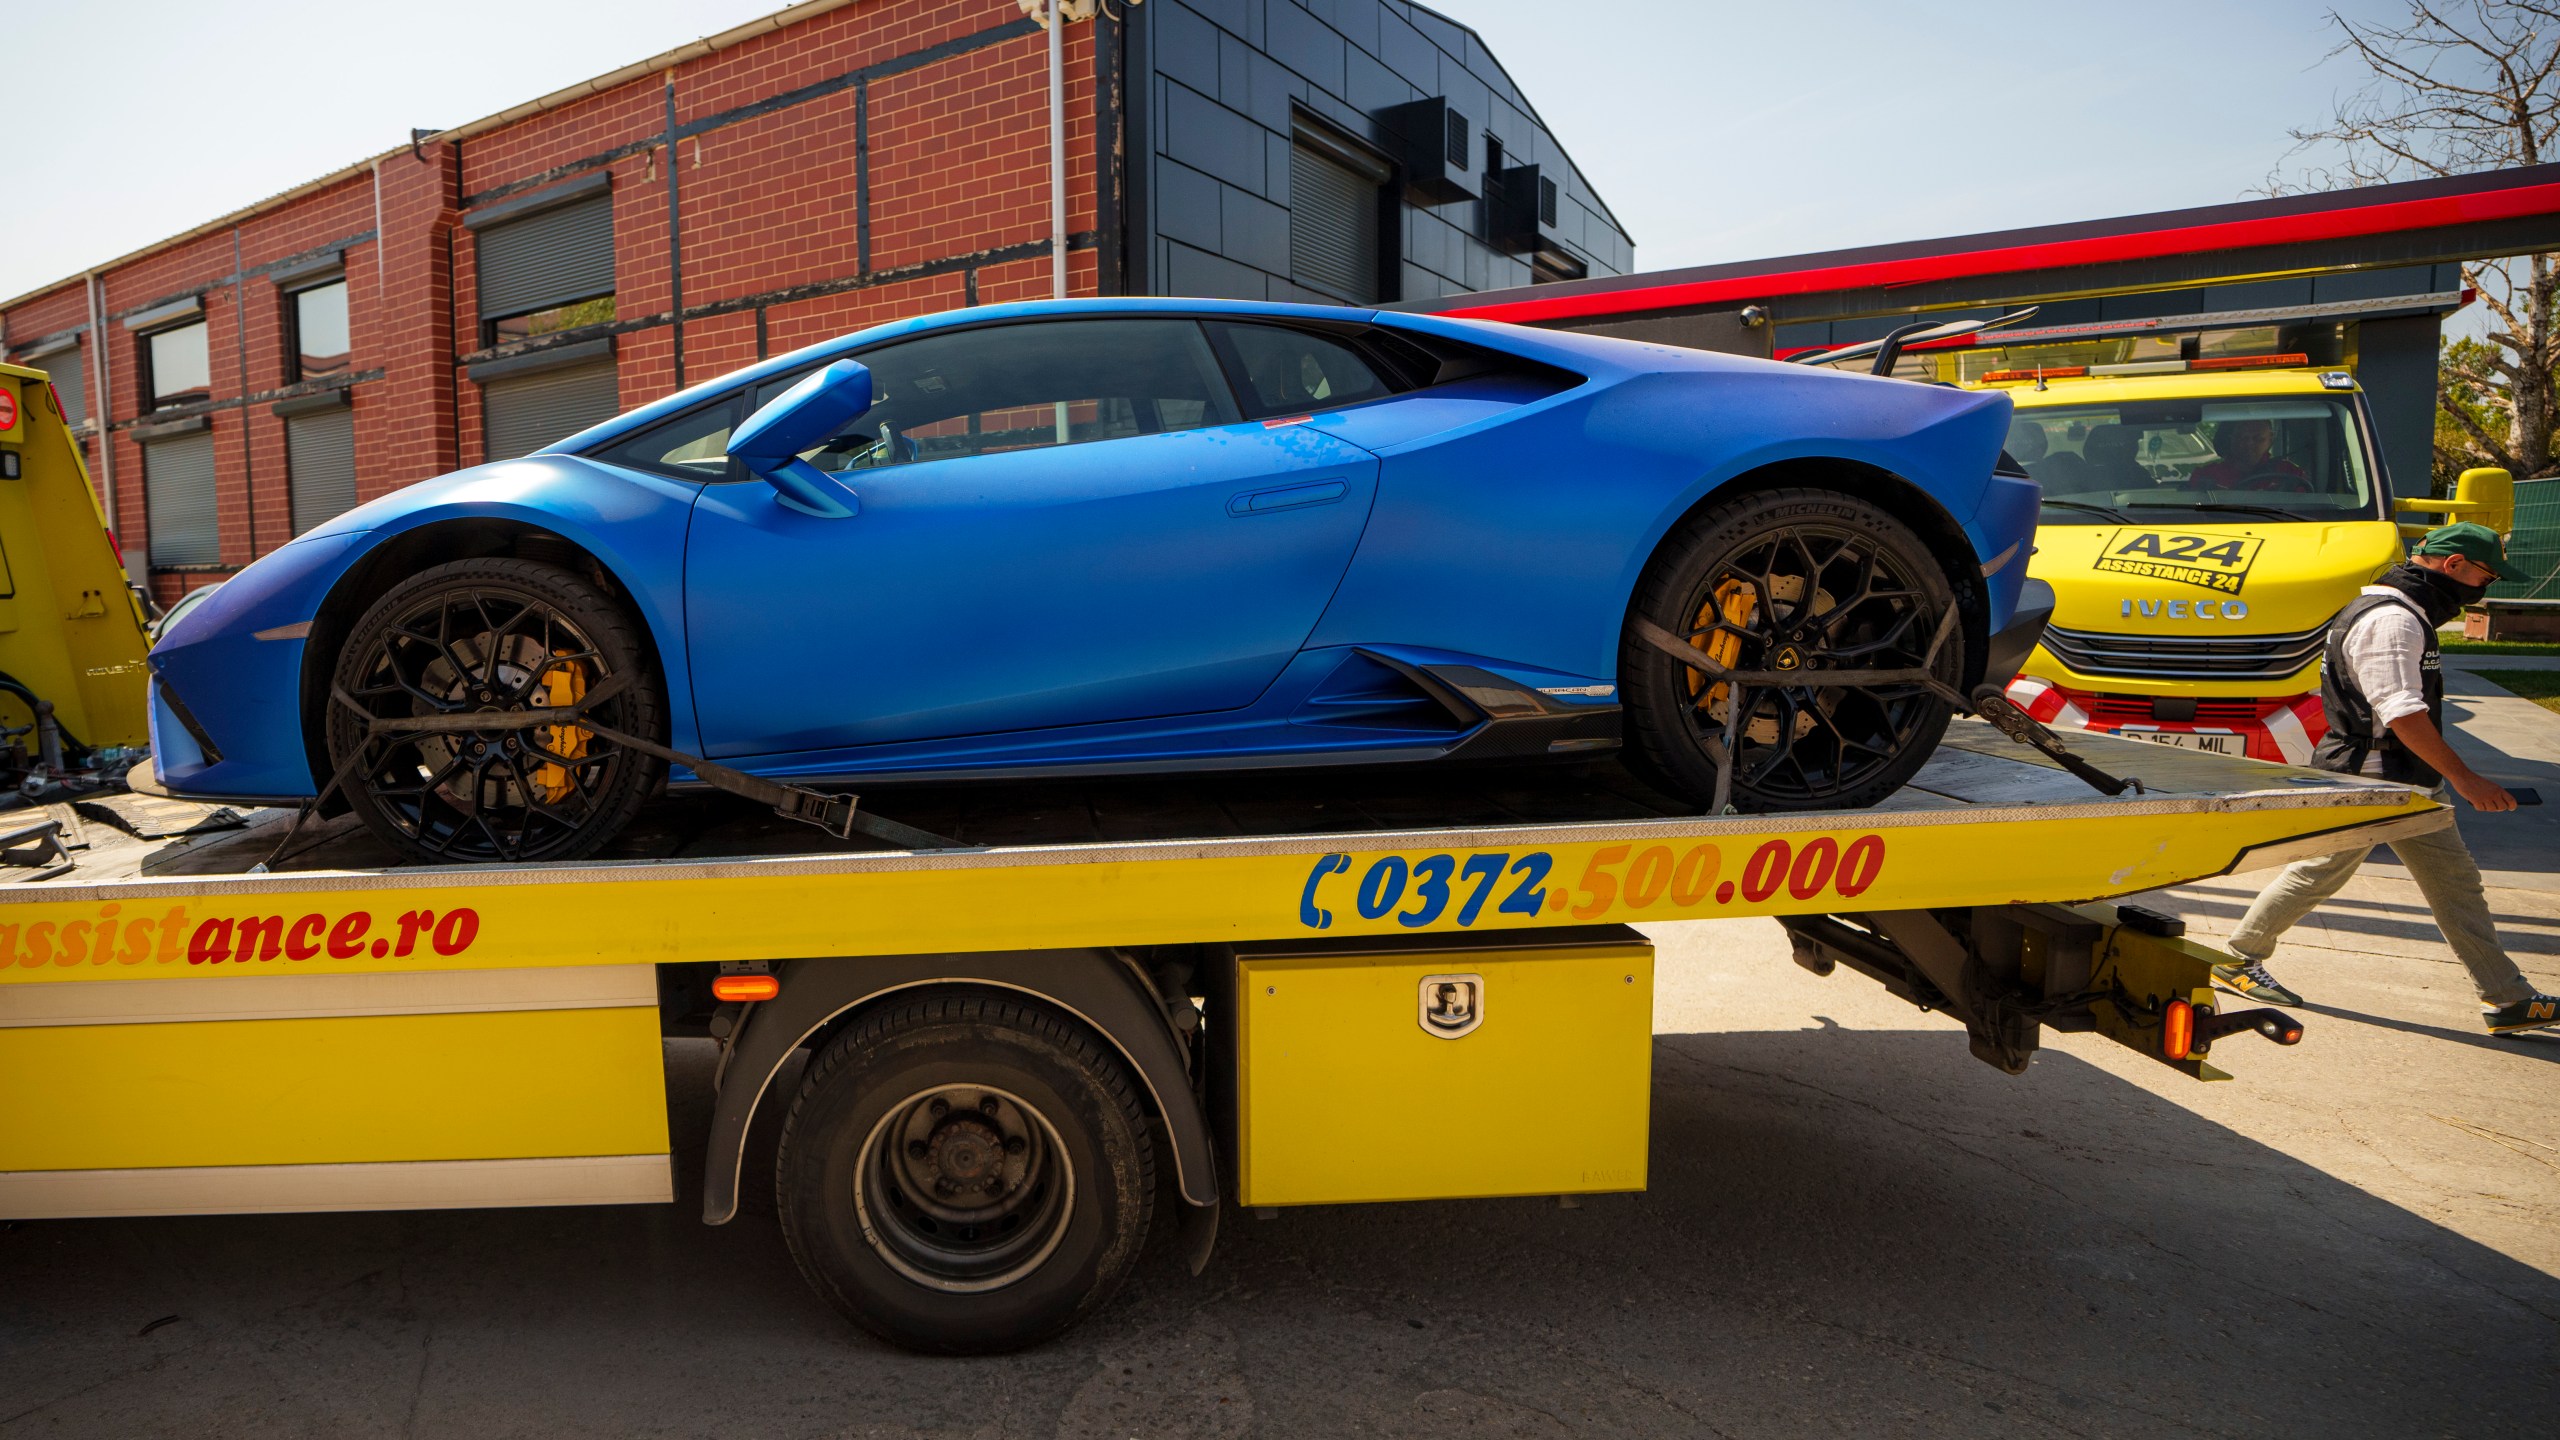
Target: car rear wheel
<point>1796,581</point>
<point>965,1173</point>
<point>492,636</point>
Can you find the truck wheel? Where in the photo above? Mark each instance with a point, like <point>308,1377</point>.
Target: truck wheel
<point>493,635</point>
<point>1790,580</point>
<point>965,1173</point>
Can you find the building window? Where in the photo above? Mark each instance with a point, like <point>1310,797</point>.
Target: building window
<point>178,485</point>
<point>1337,218</point>
<point>319,330</point>
<point>175,367</point>
<point>320,462</point>
<point>547,272</point>
<point>523,413</point>
<point>70,379</point>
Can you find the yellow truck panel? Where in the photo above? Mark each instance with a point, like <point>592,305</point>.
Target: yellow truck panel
<point>71,630</point>
<point>1379,883</point>
<point>1421,1074</point>
<point>340,1090</point>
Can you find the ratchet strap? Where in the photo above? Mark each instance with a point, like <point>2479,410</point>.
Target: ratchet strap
<point>1986,701</point>
<point>838,815</point>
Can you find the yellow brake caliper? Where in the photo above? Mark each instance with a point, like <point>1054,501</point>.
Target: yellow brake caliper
<point>563,685</point>
<point>1738,602</point>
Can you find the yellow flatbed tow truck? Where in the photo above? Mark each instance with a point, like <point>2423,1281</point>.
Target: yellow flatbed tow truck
<point>1287,991</point>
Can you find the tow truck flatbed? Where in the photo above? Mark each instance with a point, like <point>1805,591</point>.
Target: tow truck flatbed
<point>1247,950</point>
<point>1977,779</point>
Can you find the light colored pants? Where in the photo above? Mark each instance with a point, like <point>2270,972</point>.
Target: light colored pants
<point>2446,875</point>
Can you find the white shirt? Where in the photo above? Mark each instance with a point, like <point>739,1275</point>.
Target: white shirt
<point>2383,650</point>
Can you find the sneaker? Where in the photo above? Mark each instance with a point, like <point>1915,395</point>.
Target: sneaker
<point>2252,982</point>
<point>2534,1012</point>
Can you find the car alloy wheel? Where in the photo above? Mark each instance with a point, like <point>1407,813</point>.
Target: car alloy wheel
<point>1779,583</point>
<point>493,638</point>
<point>1804,599</point>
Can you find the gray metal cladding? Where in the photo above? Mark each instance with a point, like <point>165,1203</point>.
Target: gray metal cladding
<point>548,258</point>
<point>525,413</point>
<point>1219,91</point>
<point>179,493</point>
<point>1333,226</point>
<point>320,452</point>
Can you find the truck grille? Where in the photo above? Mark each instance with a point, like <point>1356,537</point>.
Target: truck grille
<point>2186,657</point>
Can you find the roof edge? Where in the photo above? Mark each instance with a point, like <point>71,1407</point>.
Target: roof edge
<point>730,38</point>
<point>1596,292</point>
<point>219,222</point>
<point>1531,107</point>
<point>734,36</point>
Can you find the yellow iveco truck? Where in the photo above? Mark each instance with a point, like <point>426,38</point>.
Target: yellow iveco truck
<point>2204,517</point>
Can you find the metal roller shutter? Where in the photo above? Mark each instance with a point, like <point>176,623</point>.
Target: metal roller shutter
<point>178,484</point>
<point>547,258</point>
<point>69,376</point>
<point>1333,226</point>
<point>320,455</point>
<point>525,413</point>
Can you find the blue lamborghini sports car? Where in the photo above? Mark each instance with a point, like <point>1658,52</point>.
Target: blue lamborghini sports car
<point>1086,537</point>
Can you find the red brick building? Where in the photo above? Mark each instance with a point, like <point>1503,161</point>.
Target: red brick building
<point>491,288</point>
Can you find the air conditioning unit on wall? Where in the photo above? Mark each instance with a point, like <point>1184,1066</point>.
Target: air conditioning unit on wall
<point>1435,148</point>
<point>1520,207</point>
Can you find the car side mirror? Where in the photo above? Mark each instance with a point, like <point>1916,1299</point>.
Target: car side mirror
<point>769,444</point>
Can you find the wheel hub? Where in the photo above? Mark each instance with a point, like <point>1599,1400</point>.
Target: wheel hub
<point>963,1188</point>
<point>966,1155</point>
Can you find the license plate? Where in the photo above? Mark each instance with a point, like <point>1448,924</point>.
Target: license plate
<point>2219,742</point>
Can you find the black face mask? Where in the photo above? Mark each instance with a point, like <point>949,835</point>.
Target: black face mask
<point>2438,594</point>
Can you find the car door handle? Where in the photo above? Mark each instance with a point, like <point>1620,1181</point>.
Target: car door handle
<point>1288,497</point>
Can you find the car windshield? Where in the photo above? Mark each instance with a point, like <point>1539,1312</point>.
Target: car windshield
<point>2273,457</point>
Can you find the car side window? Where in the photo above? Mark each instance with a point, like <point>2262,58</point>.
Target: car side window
<point>690,446</point>
<point>1020,387</point>
<point>1280,371</point>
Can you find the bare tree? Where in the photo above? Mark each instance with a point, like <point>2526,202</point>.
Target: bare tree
<point>2457,87</point>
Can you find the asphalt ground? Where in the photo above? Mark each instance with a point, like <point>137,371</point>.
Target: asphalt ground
<point>1852,1227</point>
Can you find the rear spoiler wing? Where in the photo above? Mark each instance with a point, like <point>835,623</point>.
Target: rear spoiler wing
<point>1889,349</point>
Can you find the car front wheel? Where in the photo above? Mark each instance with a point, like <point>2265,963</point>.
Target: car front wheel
<point>491,637</point>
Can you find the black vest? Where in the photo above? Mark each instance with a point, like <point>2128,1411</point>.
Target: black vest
<point>2352,734</point>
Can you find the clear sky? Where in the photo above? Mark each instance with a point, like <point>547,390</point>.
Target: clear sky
<point>1715,130</point>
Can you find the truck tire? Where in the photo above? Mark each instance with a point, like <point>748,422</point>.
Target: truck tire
<point>494,634</point>
<point>1785,580</point>
<point>965,1172</point>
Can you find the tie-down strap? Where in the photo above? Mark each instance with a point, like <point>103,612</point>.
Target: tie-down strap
<point>1986,701</point>
<point>838,815</point>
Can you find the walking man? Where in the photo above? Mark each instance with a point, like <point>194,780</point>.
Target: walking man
<point>2382,683</point>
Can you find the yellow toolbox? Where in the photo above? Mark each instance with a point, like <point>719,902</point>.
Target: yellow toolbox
<point>1444,1067</point>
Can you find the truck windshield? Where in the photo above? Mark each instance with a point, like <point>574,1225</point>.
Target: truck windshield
<point>2278,457</point>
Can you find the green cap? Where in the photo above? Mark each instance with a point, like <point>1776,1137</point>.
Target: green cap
<point>2475,543</point>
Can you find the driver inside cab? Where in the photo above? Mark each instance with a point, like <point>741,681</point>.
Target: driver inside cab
<point>2242,462</point>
